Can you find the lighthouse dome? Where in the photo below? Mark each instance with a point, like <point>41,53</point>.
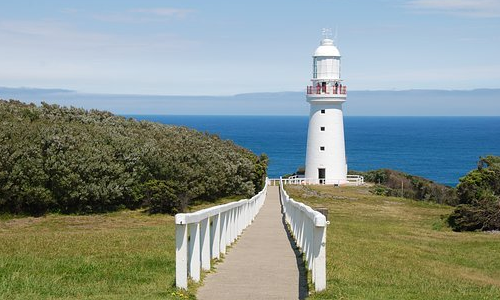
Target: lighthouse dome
<point>327,48</point>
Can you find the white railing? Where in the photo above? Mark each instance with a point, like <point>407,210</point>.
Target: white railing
<point>356,179</point>
<point>308,228</point>
<point>326,90</point>
<point>274,181</point>
<point>205,234</point>
<point>351,180</point>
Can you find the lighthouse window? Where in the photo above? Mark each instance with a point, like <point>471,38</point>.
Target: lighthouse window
<point>322,148</point>
<point>322,111</point>
<point>322,128</point>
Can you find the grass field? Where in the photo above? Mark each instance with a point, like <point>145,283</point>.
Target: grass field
<point>377,248</point>
<point>122,255</point>
<point>392,248</point>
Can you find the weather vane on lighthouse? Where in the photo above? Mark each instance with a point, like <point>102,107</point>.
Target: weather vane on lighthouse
<point>327,33</point>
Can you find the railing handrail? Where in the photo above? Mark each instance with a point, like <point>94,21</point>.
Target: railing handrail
<point>204,235</point>
<point>318,218</point>
<point>308,228</point>
<point>194,217</point>
<point>328,89</point>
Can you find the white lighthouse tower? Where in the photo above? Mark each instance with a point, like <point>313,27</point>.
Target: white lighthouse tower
<point>325,157</point>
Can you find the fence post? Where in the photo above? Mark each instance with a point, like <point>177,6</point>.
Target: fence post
<point>311,242</point>
<point>319,259</point>
<point>242,219</point>
<point>181,256</point>
<point>249,213</point>
<point>234,224</point>
<point>205,243</point>
<point>230,227</point>
<point>215,236</point>
<point>223,229</point>
<point>194,251</point>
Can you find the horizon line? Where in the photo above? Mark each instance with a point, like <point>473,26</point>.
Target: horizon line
<point>65,90</point>
<point>281,116</point>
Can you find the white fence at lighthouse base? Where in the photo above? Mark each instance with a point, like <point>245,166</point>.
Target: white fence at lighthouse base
<point>205,234</point>
<point>352,180</point>
<point>308,228</point>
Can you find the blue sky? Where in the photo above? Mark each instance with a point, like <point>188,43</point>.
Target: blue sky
<point>228,47</point>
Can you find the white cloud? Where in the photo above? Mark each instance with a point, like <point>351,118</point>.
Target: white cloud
<point>46,37</point>
<point>48,53</point>
<point>468,8</point>
<point>142,15</point>
<point>165,12</point>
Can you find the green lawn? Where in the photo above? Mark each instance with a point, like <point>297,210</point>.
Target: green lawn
<point>123,255</point>
<point>378,248</point>
<point>392,248</point>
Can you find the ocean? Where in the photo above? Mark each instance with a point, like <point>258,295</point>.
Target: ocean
<point>442,149</point>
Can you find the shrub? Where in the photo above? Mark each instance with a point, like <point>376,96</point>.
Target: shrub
<point>72,160</point>
<point>381,190</point>
<point>162,196</point>
<point>414,187</point>
<point>479,196</point>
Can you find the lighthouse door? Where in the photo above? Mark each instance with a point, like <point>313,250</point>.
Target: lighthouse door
<point>321,175</point>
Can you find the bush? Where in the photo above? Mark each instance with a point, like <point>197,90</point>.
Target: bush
<point>479,196</point>
<point>71,160</point>
<point>163,196</point>
<point>388,183</point>
<point>381,190</point>
<point>485,216</point>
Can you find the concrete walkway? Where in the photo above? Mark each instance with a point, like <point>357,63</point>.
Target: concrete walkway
<point>263,264</point>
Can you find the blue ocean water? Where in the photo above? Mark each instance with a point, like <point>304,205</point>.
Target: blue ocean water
<point>442,149</point>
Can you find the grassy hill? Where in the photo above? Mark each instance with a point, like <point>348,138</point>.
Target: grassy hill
<point>382,247</point>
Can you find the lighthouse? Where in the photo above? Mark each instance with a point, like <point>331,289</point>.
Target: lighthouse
<point>325,156</point>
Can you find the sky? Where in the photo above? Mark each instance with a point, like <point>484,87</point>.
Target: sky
<point>229,47</point>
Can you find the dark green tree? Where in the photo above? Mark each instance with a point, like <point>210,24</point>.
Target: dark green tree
<point>479,197</point>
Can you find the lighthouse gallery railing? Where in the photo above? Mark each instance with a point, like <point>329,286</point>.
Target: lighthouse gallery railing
<point>205,234</point>
<point>340,90</point>
<point>309,231</point>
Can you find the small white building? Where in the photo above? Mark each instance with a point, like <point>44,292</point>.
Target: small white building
<point>325,157</point>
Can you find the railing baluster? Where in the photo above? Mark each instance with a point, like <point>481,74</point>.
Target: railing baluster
<point>215,236</point>
<point>181,255</point>
<point>194,251</point>
<point>320,258</point>
<point>229,228</point>
<point>223,229</point>
<point>205,244</point>
<point>232,228</point>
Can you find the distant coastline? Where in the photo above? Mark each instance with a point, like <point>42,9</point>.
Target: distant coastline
<point>478,102</point>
